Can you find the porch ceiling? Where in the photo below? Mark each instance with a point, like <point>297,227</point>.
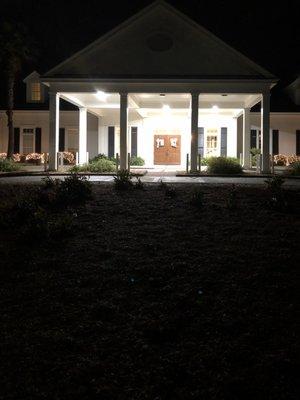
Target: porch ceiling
<point>144,103</point>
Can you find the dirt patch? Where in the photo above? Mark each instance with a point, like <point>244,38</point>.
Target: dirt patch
<point>152,298</point>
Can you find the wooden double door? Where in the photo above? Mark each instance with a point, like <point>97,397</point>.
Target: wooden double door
<point>167,149</point>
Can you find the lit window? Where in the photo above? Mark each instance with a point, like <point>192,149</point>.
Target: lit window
<point>36,91</point>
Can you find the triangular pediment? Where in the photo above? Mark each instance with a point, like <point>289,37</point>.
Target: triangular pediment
<point>159,41</point>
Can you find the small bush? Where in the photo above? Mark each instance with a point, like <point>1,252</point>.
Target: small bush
<point>224,165</point>
<point>123,180</point>
<point>197,198</point>
<point>170,192</point>
<point>73,190</point>
<point>139,184</point>
<point>294,169</point>
<point>232,198</point>
<point>255,155</point>
<point>101,165</point>
<point>102,156</point>
<point>7,165</point>
<point>277,196</point>
<point>138,161</point>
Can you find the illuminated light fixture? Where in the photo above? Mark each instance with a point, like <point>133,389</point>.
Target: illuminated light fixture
<point>101,95</point>
<point>215,109</point>
<point>166,109</point>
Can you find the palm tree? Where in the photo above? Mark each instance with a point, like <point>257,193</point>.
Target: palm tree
<point>14,51</point>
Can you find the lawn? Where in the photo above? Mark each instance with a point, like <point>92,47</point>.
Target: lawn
<point>150,297</point>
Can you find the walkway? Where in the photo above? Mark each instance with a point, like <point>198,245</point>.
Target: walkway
<point>157,178</point>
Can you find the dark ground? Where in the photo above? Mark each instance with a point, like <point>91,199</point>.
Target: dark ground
<point>151,298</point>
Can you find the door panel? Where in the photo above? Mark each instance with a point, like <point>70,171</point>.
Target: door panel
<point>167,149</point>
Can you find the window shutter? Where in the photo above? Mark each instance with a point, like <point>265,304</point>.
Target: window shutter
<point>16,140</point>
<point>223,142</point>
<point>201,141</point>
<point>258,140</point>
<point>275,134</point>
<point>134,131</point>
<point>298,142</point>
<point>61,142</point>
<point>111,141</point>
<point>253,139</point>
<point>38,140</point>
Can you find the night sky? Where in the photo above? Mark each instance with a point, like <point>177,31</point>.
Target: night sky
<point>267,32</point>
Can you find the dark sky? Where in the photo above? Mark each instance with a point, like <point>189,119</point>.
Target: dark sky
<point>267,32</point>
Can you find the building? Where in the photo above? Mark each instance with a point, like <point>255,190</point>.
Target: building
<point>158,86</point>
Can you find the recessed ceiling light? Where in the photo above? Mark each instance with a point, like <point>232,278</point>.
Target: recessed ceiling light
<point>215,108</point>
<point>166,108</point>
<point>101,95</point>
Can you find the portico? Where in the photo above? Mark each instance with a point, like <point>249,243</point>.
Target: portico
<point>160,84</point>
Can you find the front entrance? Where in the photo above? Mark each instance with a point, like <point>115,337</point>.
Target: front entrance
<point>167,149</point>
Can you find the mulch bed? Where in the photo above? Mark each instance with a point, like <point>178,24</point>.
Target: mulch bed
<point>151,298</point>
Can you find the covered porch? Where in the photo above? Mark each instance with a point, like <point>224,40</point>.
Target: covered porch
<point>164,122</point>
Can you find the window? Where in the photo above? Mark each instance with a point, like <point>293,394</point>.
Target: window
<point>36,91</point>
<point>211,141</point>
<point>28,141</point>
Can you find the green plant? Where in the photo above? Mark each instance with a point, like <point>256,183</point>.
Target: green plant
<point>102,165</point>
<point>232,198</point>
<point>277,196</point>
<point>123,180</point>
<point>197,198</point>
<point>224,165</point>
<point>7,165</point>
<point>102,156</point>
<point>138,161</point>
<point>294,169</point>
<point>139,184</point>
<point>73,190</point>
<point>170,192</point>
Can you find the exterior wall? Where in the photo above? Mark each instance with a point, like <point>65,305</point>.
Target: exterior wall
<point>40,119</point>
<point>147,128</point>
<point>287,124</point>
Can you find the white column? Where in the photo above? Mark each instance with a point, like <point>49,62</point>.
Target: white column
<point>194,130</point>
<point>53,129</point>
<point>123,130</point>
<point>82,136</point>
<point>265,131</point>
<point>246,138</point>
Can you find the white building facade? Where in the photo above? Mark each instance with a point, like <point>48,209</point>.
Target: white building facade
<point>161,87</point>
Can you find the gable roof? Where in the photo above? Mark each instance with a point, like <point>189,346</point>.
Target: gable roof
<point>159,41</point>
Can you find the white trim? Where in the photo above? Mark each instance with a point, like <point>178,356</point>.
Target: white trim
<point>21,137</point>
<point>160,3</point>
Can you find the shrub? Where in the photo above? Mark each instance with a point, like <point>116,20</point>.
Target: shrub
<point>224,165</point>
<point>197,198</point>
<point>255,155</point>
<point>123,180</point>
<point>170,192</point>
<point>294,169</point>
<point>68,158</point>
<point>34,158</point>
<point>7,165</point>
<point>277,197</point>
<point>73,190</point>
<point>102,156</point>
<point>139,184</point>
<point>101,165</point>
<point>138,161</point>
<point>232,198</point>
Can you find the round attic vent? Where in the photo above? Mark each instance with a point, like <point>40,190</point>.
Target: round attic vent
<point>160,42</point>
